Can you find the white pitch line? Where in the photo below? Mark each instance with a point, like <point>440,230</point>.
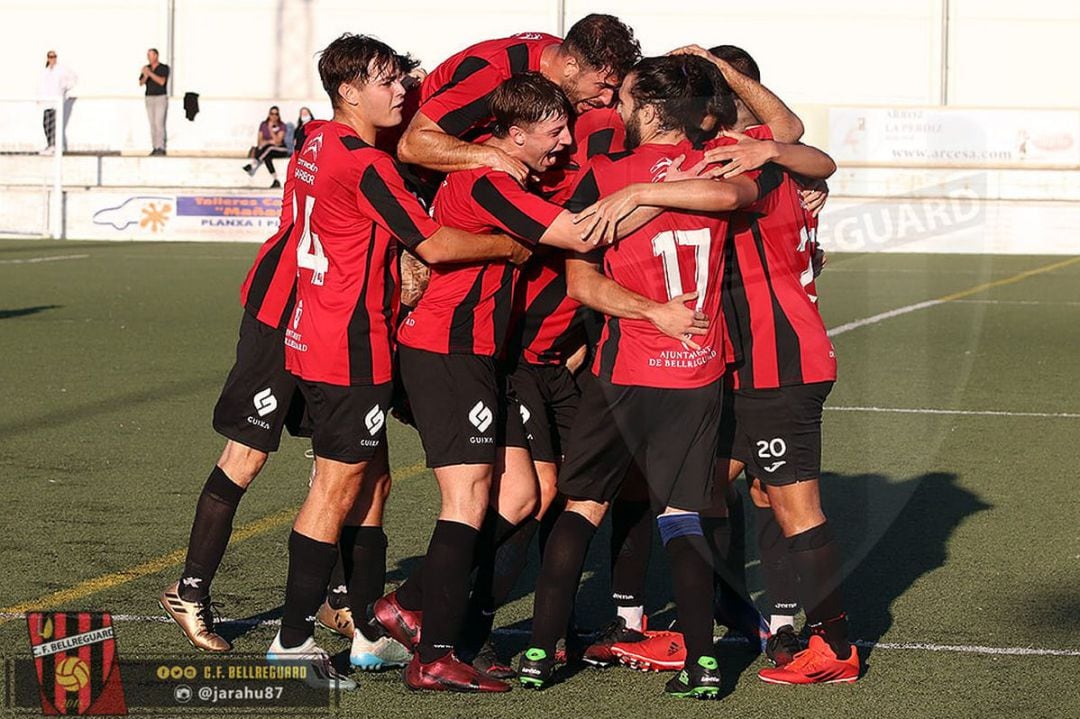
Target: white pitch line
<point>847,327</point>
<point>897,646</point>
<point>1015,302</point>
<point>50,258</point>
<point>961,412</point>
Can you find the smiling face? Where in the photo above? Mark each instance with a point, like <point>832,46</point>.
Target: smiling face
<point>538,145</point>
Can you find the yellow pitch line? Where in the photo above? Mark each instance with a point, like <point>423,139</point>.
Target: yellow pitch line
<point>115,579</point>
<point>1009,280</point>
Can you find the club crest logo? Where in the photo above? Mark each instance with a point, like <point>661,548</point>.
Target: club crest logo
<point>78,669</point>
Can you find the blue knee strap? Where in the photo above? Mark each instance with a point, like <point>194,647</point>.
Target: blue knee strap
<point>683,524</point>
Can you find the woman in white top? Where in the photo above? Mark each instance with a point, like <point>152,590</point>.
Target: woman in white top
<point>55,83</point>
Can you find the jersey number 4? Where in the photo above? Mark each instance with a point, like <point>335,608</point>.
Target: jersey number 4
<point>309,252</point>
<point>666,247</point>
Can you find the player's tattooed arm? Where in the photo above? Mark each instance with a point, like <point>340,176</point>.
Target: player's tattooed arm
<point>414,278</point>
<point>589,286</point>
<point>425,143</point>
<point>766,106</point>
<point>448,246</point>
<point>749,153</point>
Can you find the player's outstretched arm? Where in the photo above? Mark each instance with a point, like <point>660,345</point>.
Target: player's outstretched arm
<point>448,245</point>
<point>624,211</point>
<point>770,109</point>
<point>425,143</point>
<point>589,286</point>
<point>749,153</point>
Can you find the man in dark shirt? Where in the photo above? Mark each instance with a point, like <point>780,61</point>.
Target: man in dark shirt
<point>155,78</point>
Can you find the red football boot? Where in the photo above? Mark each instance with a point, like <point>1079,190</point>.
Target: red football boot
<point>450,674</point>
<point>400,623</point>
<point>662,651</point>
<point>599,653</point>
<point>817,664</point>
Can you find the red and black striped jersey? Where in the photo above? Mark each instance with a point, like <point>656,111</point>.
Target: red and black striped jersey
<point>673,254</point>
<point>776,330</point>
<point>466,308</point>
<point>455,94</point>
<point>550,326</point>
<point>269,290</point>
<point>352,208</point>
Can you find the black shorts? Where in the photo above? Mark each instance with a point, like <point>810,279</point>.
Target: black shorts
<point>670,434</point>
<point>260,397</point>
<point>776,432</point>
<point>546,398</point>
<point>457,404</point>
<point>348,423</point>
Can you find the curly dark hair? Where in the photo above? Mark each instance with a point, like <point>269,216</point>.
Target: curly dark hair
<point>603,42</point>
<point>526,99</point>
<point>683,89</point>
<point>356,58</point>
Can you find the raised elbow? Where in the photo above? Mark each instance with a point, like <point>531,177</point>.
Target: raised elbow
<point>829,167</point>
<point>576,290</point>
<point>791,131</point>
<point>431,252</point>
<point>406,147</point>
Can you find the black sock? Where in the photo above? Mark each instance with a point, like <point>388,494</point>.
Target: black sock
<point>816,557</point>
<point>560,575</point>
<point>510,561</point>
<point>691,579</point>
<point>496,534</point>
<point>725,536</point>
<point>337,593</point>
<point>365,564</point>
<point>495,530</point>
<point>310,565</point>
<point>446,587</point>
<point>547,522</point>
<point>410,594</point>
<point>210,534</point>
<point>781,582</point>
<point>631,544</point>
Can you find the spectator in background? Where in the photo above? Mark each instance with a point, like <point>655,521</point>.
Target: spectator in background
<point>269,144</point>
<point>155,77</point>
<point>298,132</point>
<point>56,82</point>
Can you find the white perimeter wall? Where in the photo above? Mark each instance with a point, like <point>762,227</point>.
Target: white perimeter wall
<point>1000,53</point>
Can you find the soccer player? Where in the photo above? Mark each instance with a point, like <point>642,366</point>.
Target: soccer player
<point>253,409</point>
<point>653,401</point>
<point>352,208</point>
<point>455,109</point>
<point>773,426</point>
<point>722,524</point>
<point>786,369</point>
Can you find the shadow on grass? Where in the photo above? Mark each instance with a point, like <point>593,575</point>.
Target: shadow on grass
<point>26,311</point>
<point>893,532</point>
